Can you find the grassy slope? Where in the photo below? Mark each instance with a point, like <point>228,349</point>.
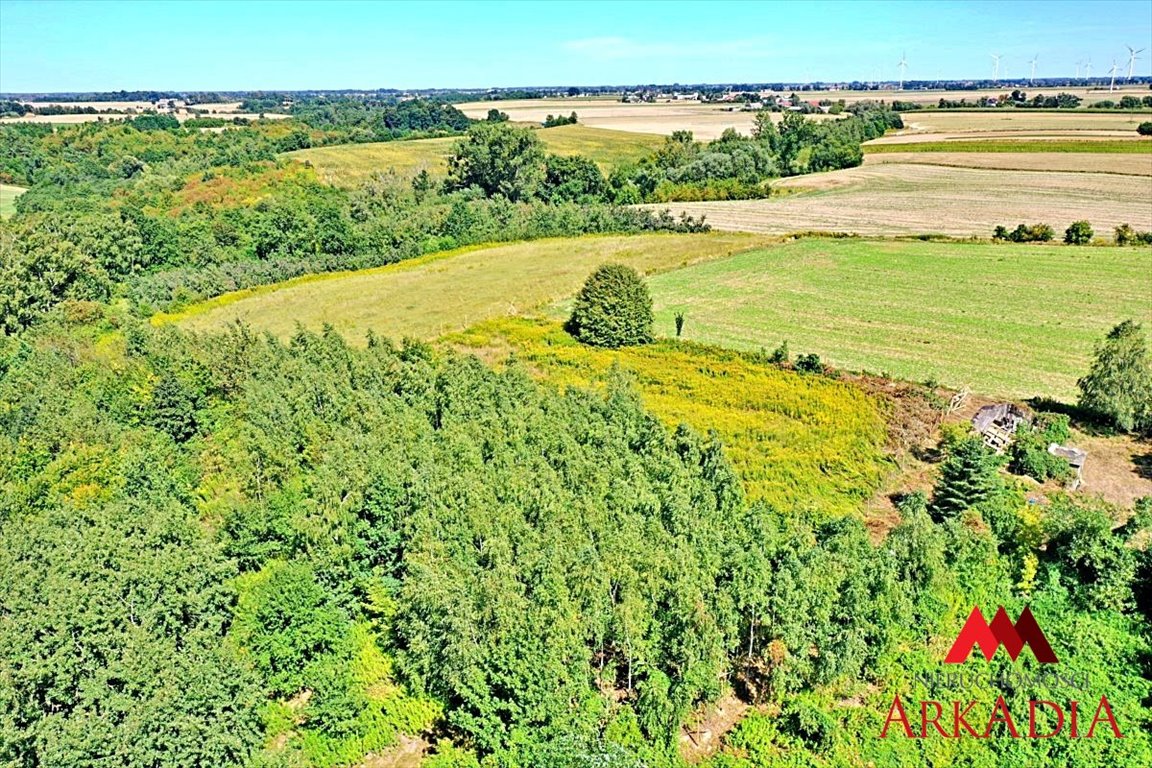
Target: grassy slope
<point>1006,319</point>
<point>799,442</point>
<point>350,164</point>
<point>434,295</point>
<point>8,195</point>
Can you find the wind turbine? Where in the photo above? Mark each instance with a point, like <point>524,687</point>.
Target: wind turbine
<point>1112,85</point>
<point>1078,65</point>
<point>996,66</point>
<point>1132,57</point>
<point>903,66</point>
<point>1088,70</point>
<point>1032,79</point>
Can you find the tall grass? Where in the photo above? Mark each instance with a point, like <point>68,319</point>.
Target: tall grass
<point>801,442</point>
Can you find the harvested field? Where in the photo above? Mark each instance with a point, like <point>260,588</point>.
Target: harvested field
<point>350,164</point>
<point>1001,121</point>
<point>1007,320</point>
<point>1139,165</point>
<point>912,199</point>
<point>219,107</point>
<point>438,294</point>
<point>1043,144</point>
<point>706,121</point>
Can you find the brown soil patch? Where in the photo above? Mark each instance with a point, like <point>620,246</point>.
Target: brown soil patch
<point>703,735</point>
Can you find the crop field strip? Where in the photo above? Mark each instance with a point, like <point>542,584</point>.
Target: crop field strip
<point>441,293</point>
<point>1008,320</point>
<point>1100,146</point>
<point>350,164</point>
<point>915,199</point>
<point>1069,162</point>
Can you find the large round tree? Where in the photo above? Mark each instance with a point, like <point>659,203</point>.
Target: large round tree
<point>613,309</point>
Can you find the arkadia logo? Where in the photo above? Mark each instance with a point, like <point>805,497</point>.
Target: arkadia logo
<point>1001,632</point>
<point>1045,720</point>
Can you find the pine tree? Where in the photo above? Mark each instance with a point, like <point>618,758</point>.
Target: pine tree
<point>967,477</point>
<point>613,309</point>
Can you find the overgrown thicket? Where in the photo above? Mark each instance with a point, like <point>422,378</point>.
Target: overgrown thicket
<point>226,550</point>
<point>496,158</point>
<point>738,167</point>
<point>344,120</point>
<point>166,215</point>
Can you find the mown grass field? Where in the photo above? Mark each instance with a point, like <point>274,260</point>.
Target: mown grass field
<point>8,195</point>
<point>1011,145</point>
<point>1011,320</point>
<point>800,442</point>
<point>351,164</point>
<point>914,199</point>
<point>441,293</point>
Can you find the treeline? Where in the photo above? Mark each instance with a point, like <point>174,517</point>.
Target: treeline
<point>226,550</point>
<point>1077,233</point>
<point>496,159</point>
<point>352,120</point>
<point>1019,99</point>
<point>735,166</point>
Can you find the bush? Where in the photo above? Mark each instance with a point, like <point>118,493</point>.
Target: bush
<point>809,363</point>
<point>613,309</point>
<point>1025,233</point>
<point>1078,233</point>
<point>1145,128</point>
<point>780,355</point>
<point>1125,235</point>
<point>1029,453</point>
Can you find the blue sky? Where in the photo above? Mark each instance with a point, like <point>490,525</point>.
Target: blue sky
<point>102,46</point>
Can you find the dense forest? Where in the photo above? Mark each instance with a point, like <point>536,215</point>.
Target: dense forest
<point>227,550</point>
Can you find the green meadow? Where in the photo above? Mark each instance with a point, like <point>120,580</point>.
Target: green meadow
<point>1012,320</point>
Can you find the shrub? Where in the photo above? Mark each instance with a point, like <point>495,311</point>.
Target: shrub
<point>809,363</point>
<point>1078,233</point>
<point>780,355</point>
<point>1145,128</point>
<point>1029,453</point>
<point>1025,233</point>
<point>1125,235</point>
<point>613,309</point>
